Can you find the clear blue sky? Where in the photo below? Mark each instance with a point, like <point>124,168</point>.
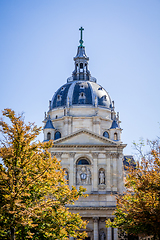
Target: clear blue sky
<point>122,37</point>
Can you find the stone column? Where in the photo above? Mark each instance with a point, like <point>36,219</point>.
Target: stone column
<point>71,238</point>
<point>120,172</point>
<point>65,129</point>
<point>108,172</point>
<point>109,233</point>
<point>115,234</point>
<point>95,172</point>
<point>114,162</point>
<point>96,125</point>
<point>96,234</point>
<point>69,125</point>
<point>71,178</point>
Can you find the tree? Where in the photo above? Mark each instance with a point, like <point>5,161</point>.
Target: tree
<point>138,209</point>
<point>33,190</point>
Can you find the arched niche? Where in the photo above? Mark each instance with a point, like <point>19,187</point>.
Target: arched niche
<point>115,136</point>
<point>83,172</point>
<point>66,176</point>
<point>48,136</point>
<point>101,176</point>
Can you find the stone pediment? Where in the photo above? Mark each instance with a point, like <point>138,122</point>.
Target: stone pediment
<point>84,137</point>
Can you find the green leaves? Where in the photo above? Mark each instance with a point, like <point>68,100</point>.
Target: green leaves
<point>33,191</point>
<point>138,210</point>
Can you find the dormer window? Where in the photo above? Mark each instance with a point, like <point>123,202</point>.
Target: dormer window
<point>104,98</point>
<point>62,89</point>
<point>58,98</point>
<point>100,88</point>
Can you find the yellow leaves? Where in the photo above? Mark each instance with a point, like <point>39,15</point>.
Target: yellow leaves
<point>32,185</point>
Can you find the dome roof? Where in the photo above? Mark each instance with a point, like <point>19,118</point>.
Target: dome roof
<point>81,88</point>
<point>81,93</point>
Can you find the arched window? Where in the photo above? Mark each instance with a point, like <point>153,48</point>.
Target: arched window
<point>57,135</point>
<point>48,136</point>
<point>81,65</point>
<point>105,134</point>
<point>115,136</point>
<point>83,162</point>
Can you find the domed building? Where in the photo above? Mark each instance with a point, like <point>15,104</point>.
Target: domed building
<point>87,139</point>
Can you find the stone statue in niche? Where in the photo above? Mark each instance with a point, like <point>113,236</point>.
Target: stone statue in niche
<point>88,180</point>
<point>78,176</point>
<point>83,175</point>
<point>102,236</point>
<point>101,177</point>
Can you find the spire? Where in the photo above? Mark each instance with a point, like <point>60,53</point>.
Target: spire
<point>81,40</point>
<point>81,71</point>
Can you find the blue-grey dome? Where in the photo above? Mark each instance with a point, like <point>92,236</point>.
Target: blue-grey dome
<point>81,88</point>
<point>81,93</point>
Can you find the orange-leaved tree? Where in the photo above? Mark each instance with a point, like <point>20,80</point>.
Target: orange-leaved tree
<point>138,209</point>
<point>33,189</point>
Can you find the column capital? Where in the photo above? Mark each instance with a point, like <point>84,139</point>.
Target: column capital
<point>59,154</point>
<point>53,154</point>
<point>95,219</point>
<point>95,154</point>
<point>72,154</point>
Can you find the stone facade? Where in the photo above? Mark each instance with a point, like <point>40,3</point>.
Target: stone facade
<point>87,140</point>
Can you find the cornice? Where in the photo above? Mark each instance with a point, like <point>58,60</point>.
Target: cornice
<point>105,140</point>
<point>92,208</point>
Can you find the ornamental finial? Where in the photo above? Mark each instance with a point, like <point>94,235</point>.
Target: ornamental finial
<point>81,41</point>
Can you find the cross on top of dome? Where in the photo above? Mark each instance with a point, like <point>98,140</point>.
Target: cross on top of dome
<point>81,40</point>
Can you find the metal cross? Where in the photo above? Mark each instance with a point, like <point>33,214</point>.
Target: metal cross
<point>81,41</point>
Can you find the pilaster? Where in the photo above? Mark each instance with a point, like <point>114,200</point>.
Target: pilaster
<point>96,234</point>
<point>71,177</point>
<point>108,172</point>
<point>95,171</point>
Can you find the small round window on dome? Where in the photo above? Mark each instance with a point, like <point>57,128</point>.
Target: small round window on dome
<point>62,89</point>
<point>100,88</point>
<point>82,86</point>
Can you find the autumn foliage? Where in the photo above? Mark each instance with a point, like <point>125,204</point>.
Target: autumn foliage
<point>33,190</point>
<point>138,209</point>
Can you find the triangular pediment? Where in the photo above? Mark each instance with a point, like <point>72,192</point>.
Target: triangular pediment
<point>84,137</point>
